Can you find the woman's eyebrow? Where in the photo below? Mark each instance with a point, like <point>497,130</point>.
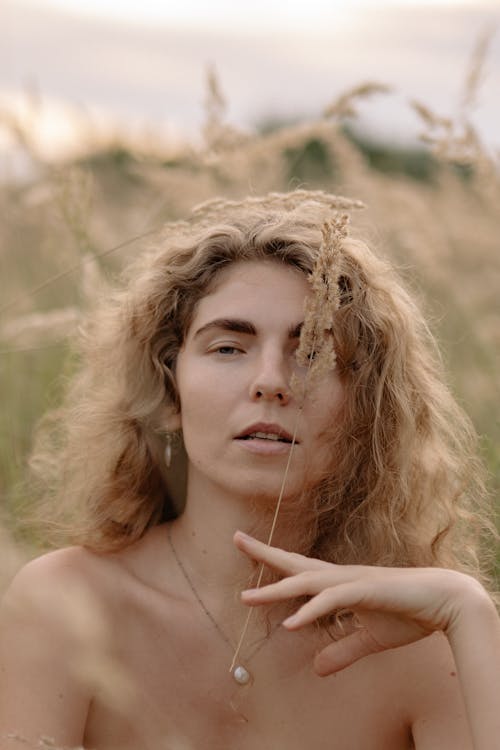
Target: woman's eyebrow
<point>228,324</point>
<point>242,326</point>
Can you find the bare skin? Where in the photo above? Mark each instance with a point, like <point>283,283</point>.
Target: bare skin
<point>114,651</point>
<point>153,673</point>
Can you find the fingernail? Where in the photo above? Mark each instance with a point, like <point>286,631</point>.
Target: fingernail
<point>290,621</point>
<point>243,535</point>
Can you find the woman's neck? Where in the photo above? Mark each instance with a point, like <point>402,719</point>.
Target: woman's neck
<point>202,539</point>
<point>205,532</point>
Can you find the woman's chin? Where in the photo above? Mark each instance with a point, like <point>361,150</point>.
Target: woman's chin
<point>264,498</point>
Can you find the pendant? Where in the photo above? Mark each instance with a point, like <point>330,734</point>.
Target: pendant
<point>241,675</point>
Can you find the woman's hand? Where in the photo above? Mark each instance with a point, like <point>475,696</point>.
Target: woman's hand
<point>392,606</point>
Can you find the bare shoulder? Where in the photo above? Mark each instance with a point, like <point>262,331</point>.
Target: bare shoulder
<point>59,639</point>
<point>51,628</point>
<point>56,607</point>
<point>43,584</point>
<point>430,686</point>
<point>62,564</point>
<point>76,579</point>
<point>428,659</point>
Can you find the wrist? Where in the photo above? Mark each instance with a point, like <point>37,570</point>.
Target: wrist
<point>474,607</point>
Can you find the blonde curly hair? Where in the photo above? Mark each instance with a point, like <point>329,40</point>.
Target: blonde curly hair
<point>406,487</point>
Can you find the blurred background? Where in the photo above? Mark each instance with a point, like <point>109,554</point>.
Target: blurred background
<point>118,116</point>
<point>141,64</point>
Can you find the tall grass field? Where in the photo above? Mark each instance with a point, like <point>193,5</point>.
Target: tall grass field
<point>433,208</point>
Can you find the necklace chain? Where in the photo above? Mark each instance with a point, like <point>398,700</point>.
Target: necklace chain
<point>195,592</point>
<point>239,672</point>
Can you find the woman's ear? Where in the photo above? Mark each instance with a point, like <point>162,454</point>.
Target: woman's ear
<point>174,422</point>
<point>170,420</point>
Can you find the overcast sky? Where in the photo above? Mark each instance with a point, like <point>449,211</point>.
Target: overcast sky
<point>231,14</point>
<point>142,63</point>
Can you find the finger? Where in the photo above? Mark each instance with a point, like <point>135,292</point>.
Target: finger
<point>341,596</point>
<point>345,652</point>
<point>307,583</point>
<point>278,559</point>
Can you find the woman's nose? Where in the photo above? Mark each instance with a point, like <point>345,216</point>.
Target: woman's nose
<point>271,382</point>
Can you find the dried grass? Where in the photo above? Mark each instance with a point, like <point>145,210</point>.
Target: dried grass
<point>66,231</point>
<point>72,225</point>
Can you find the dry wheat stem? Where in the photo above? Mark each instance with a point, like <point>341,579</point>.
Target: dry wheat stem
<point>27,349</point>
<point>343,105</point>
<point>72,269</point>
<point>269,539</point>
<point>325,298</point>
<point>313,338</point>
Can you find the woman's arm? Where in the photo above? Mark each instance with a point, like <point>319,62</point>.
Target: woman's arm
<point>474,638</point>
<point>395,607</point>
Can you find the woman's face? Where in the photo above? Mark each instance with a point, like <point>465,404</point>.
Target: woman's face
<point>233,373</point>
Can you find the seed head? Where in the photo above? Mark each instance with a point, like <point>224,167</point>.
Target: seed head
<point>316,348</point>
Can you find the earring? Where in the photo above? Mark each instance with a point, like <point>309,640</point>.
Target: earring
<point>168,450</point>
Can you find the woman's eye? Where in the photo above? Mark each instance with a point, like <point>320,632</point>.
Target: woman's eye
<point>226,349</point>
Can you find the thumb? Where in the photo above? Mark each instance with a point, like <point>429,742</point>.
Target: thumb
<point>345,652</point>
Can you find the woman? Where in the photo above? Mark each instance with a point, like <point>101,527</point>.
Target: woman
<point>135,636</point>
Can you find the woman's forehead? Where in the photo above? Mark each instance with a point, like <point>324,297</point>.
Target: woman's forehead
<point>257,289</point>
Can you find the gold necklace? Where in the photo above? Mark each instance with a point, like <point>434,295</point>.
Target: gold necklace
<point>240,673</point>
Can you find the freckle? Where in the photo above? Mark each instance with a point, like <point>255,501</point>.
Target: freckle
<point>204,551</point>
<point>453,674</point>
<point>60,696</point>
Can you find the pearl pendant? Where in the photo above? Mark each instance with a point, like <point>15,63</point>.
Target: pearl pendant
<point>241,675</point>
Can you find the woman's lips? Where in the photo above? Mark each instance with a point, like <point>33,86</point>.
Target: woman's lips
<point>265,439</point>
<point>264,446</point>
<point>264,429</point>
